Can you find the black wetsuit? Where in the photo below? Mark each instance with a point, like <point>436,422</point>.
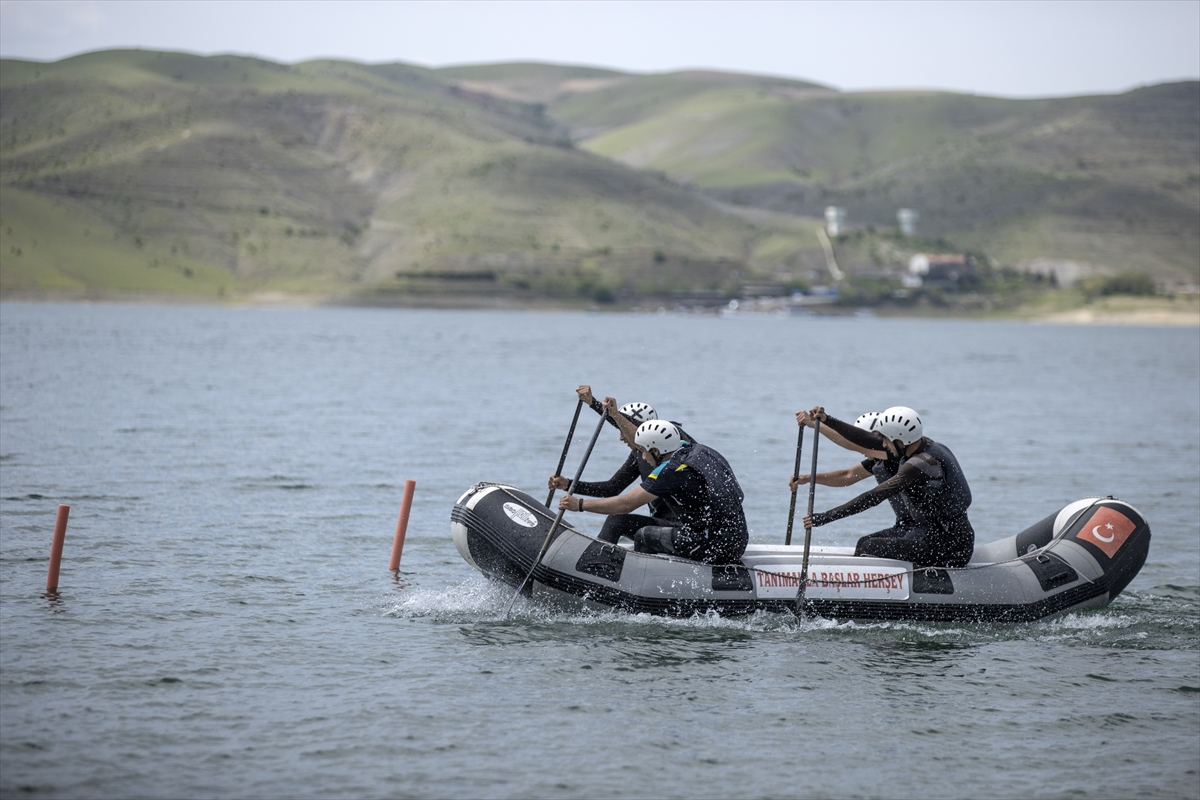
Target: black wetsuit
<point>617,525</point>
<point>699,485</point>
<point>635,468</point>
<point>882,470</point>
<point>934,493</point>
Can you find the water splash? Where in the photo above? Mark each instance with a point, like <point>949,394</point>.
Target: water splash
<point>1151,620</point>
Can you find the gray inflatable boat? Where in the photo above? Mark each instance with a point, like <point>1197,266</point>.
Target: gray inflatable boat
<point>1079,557</point>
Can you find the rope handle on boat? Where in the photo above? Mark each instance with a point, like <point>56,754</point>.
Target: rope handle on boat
<point>1047,548</point>
<point>1070,524</point>
<point>931,571</point>
<point>776,575</point>
<point>535,508</point>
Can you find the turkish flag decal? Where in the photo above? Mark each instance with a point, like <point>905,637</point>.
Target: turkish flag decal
<point>1107,529</point>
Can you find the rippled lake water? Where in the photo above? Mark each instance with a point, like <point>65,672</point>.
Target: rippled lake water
<point>227,627</point>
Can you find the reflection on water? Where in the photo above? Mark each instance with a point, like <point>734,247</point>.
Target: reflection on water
<point>916,658</point>
<point>640,646</point>
<point>54,602</point>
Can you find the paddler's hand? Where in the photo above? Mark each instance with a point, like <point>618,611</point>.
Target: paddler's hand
<point>796,481</point>
<point>804,418</point>
<point>808,523</point>
<point>568,502</point>
<point>818,412</point>
<point>610,405</point>
<point>558,482</point>
<point>585,394</point>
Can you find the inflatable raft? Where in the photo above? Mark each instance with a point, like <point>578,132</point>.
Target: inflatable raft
<point>1079,557</point>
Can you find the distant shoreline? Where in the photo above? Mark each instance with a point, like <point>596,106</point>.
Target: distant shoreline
<point>1131,311</point>
<point>1085,316</point>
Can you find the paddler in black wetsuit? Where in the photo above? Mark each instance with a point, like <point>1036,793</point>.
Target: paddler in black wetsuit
<point>880,463</point>
<point>696,482</point>
<point>929,481</point>
<point>626,419</point>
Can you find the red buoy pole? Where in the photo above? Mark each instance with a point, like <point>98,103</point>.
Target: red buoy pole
<point>402,524</point>
<point>60,535</point>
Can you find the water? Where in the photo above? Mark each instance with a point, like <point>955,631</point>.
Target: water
<point>227,626</point>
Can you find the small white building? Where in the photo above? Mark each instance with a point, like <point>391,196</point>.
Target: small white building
<point>939,269</point>
<point>835,220</point>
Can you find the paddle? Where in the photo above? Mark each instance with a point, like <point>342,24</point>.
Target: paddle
<point>567,446</point>
<point>561,511</point>
<point>812,495</point>
<point>795,474</point>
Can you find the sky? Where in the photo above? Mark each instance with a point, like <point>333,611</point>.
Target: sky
<point>1009,48</point>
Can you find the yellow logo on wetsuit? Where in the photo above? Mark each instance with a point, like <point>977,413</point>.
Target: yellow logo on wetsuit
<point>654,472</point>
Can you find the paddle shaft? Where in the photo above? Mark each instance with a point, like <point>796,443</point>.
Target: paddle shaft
<point>567,446</point>
<point>557,520</point>
<point>812,496</point>
<point>795,474</point>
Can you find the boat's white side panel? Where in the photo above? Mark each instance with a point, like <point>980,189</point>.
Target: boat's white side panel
<point>459,532</point>
<point>1079,559</point>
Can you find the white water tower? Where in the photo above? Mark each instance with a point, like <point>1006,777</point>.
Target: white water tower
<point>907,218</point>
<point>835,220</point>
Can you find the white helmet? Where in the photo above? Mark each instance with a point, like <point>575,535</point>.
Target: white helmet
<point>657,434</point>
<point>900,422</point>
<point>868,421</point>
<point>638,412</point>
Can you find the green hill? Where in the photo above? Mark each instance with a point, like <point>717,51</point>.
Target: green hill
<point>1110,180</point>
<point>228,175</point>
<point>142,171</point>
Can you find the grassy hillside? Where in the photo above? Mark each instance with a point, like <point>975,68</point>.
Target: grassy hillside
<point>329,177</point>
<point>141,171</point>
<point>1111,180</point>
<point>52,246</point>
